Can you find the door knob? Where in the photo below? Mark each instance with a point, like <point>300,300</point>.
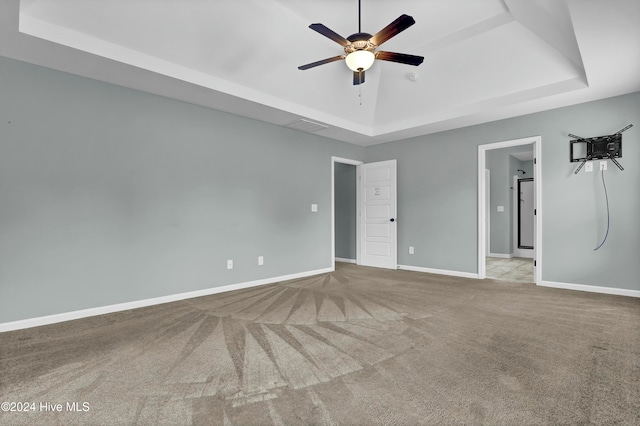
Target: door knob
<point>393,220</point>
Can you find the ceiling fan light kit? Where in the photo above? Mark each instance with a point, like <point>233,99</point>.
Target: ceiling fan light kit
<point>360,48</point>
<point>360,60</point>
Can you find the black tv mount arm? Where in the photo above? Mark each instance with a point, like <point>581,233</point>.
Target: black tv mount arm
<point>599,147</point>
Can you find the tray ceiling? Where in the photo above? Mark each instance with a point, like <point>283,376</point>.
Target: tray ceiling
<point>484,59</point>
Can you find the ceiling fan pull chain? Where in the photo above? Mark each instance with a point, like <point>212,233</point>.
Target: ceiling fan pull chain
<point>359,17</point>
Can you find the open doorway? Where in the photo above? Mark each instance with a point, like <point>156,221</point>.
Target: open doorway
<point>345,242</point>
<point>345,224</point>
<point>503,253</point>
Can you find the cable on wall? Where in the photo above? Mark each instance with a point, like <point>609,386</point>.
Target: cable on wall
<point>598,148</point>
<point>604,185</point>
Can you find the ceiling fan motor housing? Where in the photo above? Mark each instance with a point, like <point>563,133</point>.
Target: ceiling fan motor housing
<point>359,41</point>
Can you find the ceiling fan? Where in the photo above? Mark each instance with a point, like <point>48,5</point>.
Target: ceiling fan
<point>360,48</point>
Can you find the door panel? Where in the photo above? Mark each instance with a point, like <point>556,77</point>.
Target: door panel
<point>378,193</point>
<point>378,249</point>
<point>375,230</point>
<point>378,215</point>
<point>377,212</point>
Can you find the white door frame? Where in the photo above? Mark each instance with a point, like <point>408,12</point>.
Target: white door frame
<point>536,141</point>
<point>356,163</point>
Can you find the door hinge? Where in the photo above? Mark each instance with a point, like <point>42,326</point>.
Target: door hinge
<point>535,263</point>
<point>534,160</point>
<point>535,212</point>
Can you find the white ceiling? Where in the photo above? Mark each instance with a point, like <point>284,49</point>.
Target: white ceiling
<point>484,59</point>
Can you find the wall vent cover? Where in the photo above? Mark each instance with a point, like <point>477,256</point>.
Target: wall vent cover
<point>307,126</point>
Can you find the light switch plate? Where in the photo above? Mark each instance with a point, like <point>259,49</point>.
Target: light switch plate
<point>314,208</point>
<point>588,167</point>
<point>500,208</point>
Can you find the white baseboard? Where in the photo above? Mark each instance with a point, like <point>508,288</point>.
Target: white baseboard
<point>592,288</point>
<point>84,313</point>
<point>438,271</point>
<point>501,255</point>
<point>343,260</point>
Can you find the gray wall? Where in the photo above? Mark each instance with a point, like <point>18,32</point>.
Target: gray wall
<point>345,207</point>
<point>110,195</point>
<point>503,167</point>
<point>437,195</point>
<point>527,166</point>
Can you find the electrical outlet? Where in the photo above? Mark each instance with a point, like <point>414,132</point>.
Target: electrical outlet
<point>411,250</point>
<point>230,264</point>
<point>588,167</point>
<point>260,260</point>
<point>603,165</point>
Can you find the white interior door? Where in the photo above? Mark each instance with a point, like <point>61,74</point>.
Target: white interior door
<point>378,233</point>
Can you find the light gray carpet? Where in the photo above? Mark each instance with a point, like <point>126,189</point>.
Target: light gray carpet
<point>358,346</point>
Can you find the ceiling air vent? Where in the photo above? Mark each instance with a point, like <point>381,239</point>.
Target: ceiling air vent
<point>307,126</point>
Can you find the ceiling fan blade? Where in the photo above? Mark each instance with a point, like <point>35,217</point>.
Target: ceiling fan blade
<point>402,58</point>
<point>322,62</point>
<point>330,34</point>
<point>358,77</point>
<point>397,26</point>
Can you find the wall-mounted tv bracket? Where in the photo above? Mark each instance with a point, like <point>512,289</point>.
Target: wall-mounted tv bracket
<point>598,148</point>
